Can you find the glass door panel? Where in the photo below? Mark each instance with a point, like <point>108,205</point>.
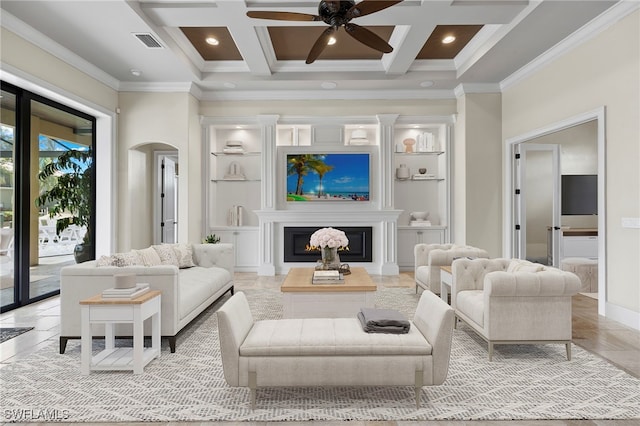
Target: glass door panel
<point>8,292</point>
<point>61,147</point>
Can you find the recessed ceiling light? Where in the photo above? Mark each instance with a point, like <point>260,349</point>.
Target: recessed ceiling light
<point>229,85</point>
<point>427,83</point>
<point>212,41</point>
<point>448,39</point>
<point>331,41</point>
<point>328,85</point>
<point>136,72</point>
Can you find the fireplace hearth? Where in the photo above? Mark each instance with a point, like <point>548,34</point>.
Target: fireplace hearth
<point>296,241</point>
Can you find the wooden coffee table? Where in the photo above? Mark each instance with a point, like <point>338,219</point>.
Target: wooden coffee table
<point>302,299</point>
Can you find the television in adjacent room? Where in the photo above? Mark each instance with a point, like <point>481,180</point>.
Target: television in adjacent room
<point>579,194</point>
<point>328,177</point>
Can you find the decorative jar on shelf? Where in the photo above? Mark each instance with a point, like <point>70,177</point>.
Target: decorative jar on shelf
<point>403,172</point>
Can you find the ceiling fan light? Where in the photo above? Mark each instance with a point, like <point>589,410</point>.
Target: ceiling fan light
<point>331,41</point>
<point>448,39</point>
<point>212,41</point>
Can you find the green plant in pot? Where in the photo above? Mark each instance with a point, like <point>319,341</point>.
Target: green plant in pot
<point>69,197</point>
<point>211,239</point>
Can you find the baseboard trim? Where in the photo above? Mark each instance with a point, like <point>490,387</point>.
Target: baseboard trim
<point>622,315</point>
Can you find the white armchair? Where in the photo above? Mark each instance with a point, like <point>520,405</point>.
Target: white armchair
<point>513,301</point>
<point>430,257</point>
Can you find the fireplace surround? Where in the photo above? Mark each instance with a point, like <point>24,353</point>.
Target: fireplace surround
<point>296,241</point>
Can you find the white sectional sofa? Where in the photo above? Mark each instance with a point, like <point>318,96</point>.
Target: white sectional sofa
<point>513,301</point>
<point>186,290</point>
<point>334,351</point>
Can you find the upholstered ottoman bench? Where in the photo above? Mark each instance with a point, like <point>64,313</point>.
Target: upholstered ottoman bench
<point>334,351</point>
<point>586,269</point>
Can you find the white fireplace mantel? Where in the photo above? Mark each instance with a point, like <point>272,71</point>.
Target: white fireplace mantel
<point>325,216</point>
<point>383,222</point>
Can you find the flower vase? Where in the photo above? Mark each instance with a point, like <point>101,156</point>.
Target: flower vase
<point>330,258</point>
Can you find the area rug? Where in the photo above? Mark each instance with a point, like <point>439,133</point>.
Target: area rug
<point>522,382</point>
<point>7,333</point>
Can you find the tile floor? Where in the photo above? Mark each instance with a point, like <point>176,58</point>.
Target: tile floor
<point>608,339</point>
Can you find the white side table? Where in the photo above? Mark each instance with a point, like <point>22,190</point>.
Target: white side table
<point>96,310</point>
<point>446,278</point>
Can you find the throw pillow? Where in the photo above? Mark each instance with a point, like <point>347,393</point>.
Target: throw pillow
<point>166,253</point>
<point>184,253</point>
<point>524,266</point>
<point>127,259</point>
<point>149,257</point>
<point>104,261</point>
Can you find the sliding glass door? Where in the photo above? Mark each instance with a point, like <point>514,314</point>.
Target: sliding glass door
<point>47,193</point>
<point>7,197</point>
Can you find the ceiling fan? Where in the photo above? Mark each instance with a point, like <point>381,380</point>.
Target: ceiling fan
<point>336,14</point>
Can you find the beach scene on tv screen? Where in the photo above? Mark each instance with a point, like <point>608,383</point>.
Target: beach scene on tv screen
<point>328,177</point>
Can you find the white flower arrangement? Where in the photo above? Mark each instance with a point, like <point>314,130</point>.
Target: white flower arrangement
<point>329,237</point>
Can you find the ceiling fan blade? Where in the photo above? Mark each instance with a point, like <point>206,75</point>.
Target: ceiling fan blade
<point>368,38</point>
<point>366,7</point>
<point>320,44</point>
<point>282,16</point>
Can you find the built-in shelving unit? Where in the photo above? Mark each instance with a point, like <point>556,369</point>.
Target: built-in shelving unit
<point>234,192</point>
<point>420,184</point>
<point>255,179</point>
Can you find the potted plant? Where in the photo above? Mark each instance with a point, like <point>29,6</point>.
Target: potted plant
<point>211,239</point>
<point>69,198</point>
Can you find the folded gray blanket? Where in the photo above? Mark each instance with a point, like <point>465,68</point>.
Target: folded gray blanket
<point>383,321</point>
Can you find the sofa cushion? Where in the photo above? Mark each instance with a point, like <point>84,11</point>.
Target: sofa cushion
<point>471,303</point>
<point>130,258</point>
<point>149,257</point>
<point>524,266</point>
<point>197,284</point>
<point>326,337</point>
<point>166,254</point>
<point>184,254</point>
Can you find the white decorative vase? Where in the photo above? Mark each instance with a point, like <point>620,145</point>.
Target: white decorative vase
<point>403,172</point>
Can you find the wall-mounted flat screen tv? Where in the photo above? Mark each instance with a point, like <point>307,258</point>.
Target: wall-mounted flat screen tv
<point>579,194</point>
<point>328,177</point>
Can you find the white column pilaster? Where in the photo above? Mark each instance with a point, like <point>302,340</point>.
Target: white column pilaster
<point>268,193</point>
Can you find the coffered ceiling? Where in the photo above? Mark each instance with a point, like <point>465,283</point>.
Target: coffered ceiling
<point>161,44</point>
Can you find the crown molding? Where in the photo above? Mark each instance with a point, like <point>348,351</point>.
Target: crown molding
<point>35,37</point>
<point>468,88</point>
<point>269,95</point>
<point>187,87</point>
<point>587,32</point>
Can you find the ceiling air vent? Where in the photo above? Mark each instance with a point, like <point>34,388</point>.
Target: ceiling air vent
<point>148,40</point>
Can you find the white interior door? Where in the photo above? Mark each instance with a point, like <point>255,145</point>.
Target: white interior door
<point>537,202</point>
<point>169,198</point>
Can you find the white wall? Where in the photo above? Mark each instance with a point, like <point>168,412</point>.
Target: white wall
<point>152,118</point>
<point>477,201</point>
<point>329,108</point>
<point>601,72</point>
<point>32,68</point>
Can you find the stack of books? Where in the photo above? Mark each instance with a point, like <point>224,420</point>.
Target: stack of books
<point>327,277</point>
<point>423,176</point>
<point>233,147</point>
<point>126,293</point>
